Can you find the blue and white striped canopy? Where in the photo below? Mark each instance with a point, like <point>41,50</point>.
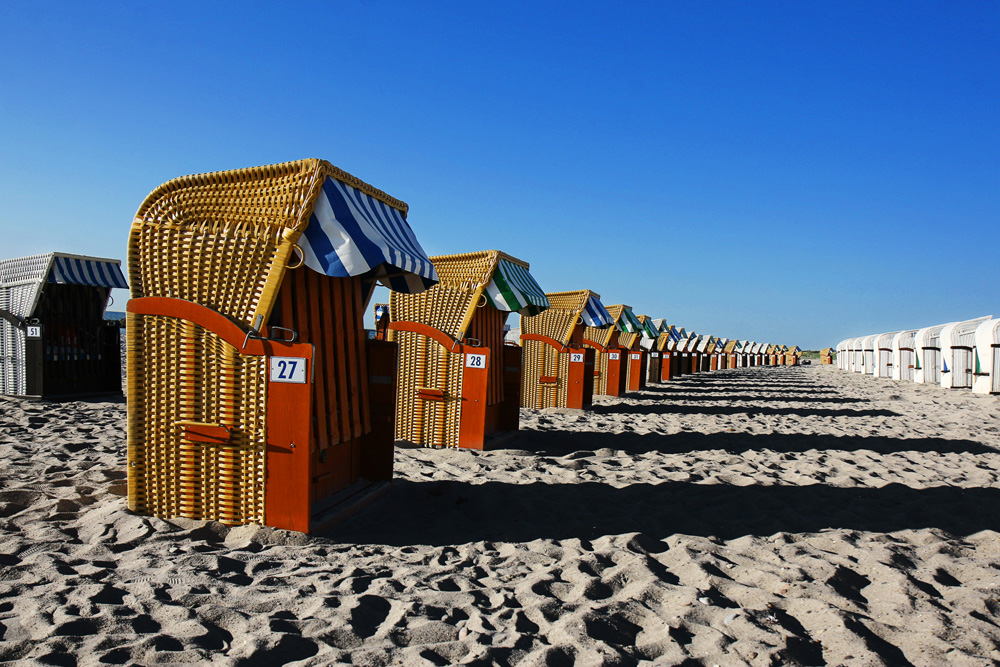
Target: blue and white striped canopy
<point>350,233</point>
<point>67,269</point>
<point>675,334</point>
<point>594,314</point>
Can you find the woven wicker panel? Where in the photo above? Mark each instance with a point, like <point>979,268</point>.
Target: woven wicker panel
<point>601,379</point>
<point>191,375</point>
<point>424,363</point>
<point>627,340</point>
<point>468,270</point>
<point>661,341</point>
<point>541,359</point>
<point>557,323</point>
<point>600,336</point>
<point>616,311</point>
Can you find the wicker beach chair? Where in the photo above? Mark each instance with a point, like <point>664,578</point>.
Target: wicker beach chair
<point>558,370</point>
<point>54,340</point>
<point>254,396</point>
<point>458,381</point>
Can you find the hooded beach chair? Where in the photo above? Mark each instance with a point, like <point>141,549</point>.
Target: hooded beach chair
<point>986,358</point>
<point>558,369</point>
<point>927,355</point>
<point>958,342</point>
<point>883,354</point>
<point>654,364</point>
<point>630,332</point>
<point>826,355</point>
<point>54,340</point>
<point>254,395</point>
<point>902,355</point>
<point>458,381</point>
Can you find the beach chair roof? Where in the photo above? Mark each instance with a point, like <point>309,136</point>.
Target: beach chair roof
<point>730,346</point>
<point>566,311</point>
<point>226,239</point>
<point>22,278</point>
<point>468,280</point>
<point>649,330</point>
<point>624,319</point>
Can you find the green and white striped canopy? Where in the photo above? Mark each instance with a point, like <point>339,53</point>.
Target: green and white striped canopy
<point>513,289</point>
<point>629,322</point>
<point>649,330</point>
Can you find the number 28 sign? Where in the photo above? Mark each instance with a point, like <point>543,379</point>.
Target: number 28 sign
<point>475,361</point>
<point>288,369</point>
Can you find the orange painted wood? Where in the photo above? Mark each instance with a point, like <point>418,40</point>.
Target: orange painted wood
<point>208,433</point>
<point>580,392</point>
<point>666,358</point>
<point>616,376</point>
<point>552,342</point>
<point>287,497</point>
<point>548,379</point>
<point>596,346</point>
<point>634,371</point>
<point>510,413</point>
<point>203,316</point>
<point>472,424</point>
<point>430,394</point>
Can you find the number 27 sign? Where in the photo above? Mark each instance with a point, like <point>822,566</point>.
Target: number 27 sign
<point>288,369</point>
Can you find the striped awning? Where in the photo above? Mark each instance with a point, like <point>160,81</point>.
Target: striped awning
<point>513,289</point>
<point>629,322</point>
<point>648,330</point>
<point>70,270</point>
<point>350,233</point>
<point>675,334</point>
<point>594,314</point>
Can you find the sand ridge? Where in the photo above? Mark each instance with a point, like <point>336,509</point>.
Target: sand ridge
<point>759,516</point>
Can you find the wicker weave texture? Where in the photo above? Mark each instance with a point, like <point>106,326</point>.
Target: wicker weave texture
<point>423,363</point>
<point>601,373</point>
<point>600,336</point>
<point>540,359</point>
<point>191,375</point>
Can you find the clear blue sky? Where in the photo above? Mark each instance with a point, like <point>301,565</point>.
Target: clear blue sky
<point>793,172</point>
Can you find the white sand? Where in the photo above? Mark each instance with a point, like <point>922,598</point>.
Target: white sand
<point>762,516</point>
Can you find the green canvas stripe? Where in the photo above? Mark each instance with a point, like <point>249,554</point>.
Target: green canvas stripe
<point>519,278</point>
<point>507,293</point>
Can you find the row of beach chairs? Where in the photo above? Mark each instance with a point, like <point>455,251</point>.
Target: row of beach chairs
<point>958,355</point>
<point>255,394</point>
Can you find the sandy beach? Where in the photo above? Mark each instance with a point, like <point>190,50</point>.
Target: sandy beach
<point>760,516</point>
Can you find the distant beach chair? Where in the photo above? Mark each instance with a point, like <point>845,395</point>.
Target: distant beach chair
<point>826,355</point>
<point>558,369</point>
<point>958,342</point>
<point>986,362</point>
<point>902,355</point>
<point>458,381</point>
<point>54,340</point>
<point>254,395</point>
<point>630,332</point>
<point>927,353</point>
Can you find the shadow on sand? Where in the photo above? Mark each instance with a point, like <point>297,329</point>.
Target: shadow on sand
<point>559,443</point>
<point>446,513</point>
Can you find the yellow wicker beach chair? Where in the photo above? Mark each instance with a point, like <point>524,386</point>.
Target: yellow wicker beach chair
<point>455,388</point>
<point>253,393</point>
<point>558,370</point>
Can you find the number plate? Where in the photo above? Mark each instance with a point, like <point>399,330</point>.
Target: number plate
<point>288,369</point>
<point>475,361</point>
<point>656,355</point>
<point>636,356</point>
<point>34,332</point>
<point>613,356</point>
<point>575,358</point>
